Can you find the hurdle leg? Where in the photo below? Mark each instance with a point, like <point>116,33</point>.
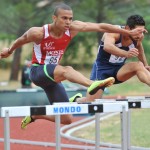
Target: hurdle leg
<point>129,129</point>
<point>57,127</point>
<point>97,131</point>
<point>6,131</point>
<point>123,129</point>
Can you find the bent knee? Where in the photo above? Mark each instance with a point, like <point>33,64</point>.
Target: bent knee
<point>140,66</point>
<point>137,66</point>
<point>65,69</point>
<point>68,68</point>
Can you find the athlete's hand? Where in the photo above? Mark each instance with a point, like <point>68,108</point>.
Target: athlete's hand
<point>141,38</point>
<point>137,32</point>
<point>5,53</point>
<point>133,52</point>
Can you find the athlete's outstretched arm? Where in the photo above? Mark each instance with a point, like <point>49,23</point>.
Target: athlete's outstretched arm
<point>109,46</point>
<point>27,37</point>
<point>79,26</point>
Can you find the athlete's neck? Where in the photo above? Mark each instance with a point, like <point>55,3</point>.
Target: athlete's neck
<point>126,40</point>
<point>55,32</point>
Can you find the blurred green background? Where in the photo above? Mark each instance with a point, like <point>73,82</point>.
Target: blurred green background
<point>17,16</point>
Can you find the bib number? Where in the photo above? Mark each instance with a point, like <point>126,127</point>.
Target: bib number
<point>116,59</point>
<point>53,59</point>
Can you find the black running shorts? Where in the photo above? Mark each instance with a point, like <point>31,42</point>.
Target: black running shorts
<point>43,76</point>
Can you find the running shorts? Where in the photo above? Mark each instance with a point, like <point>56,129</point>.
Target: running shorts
<point>101,72</point>
<point>43,76</point>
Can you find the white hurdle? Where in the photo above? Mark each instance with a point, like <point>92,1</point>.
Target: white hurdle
<point>60,109</point>
<point>134,102</point>
<point>99,106</point>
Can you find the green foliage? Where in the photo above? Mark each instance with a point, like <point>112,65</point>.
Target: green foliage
<point>109,11</point>
<point>19,15</point>
<point>15,17</point>
<point>80,47</point>
<point>83,41</point>
<point>4,36</point>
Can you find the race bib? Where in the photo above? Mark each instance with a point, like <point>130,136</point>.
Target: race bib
<point>54,59</point>
<point>116,59</point>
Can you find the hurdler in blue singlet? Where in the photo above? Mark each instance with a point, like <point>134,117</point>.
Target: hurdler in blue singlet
<point>107,65</point>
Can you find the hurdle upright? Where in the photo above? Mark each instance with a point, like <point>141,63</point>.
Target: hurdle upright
<point>57,110</point>
<point>133,102</point>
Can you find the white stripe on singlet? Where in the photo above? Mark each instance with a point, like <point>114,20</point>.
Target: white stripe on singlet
<point>37,51</point>
<point>37,47</point>
<point>46,31</point>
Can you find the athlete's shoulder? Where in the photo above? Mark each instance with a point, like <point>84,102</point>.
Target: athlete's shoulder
<point>35,33</point>
<point>35,30</point>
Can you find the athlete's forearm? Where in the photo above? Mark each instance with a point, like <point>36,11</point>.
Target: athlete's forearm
<point>112,49</point>
<point>104,27</point>
<point>6,52</point>
<point>80,26</point>
<point>18,43</point>
<point>115,29</point>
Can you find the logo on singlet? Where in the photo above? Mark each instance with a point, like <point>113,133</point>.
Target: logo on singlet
<point>55,53</point>
<point>49,46</point>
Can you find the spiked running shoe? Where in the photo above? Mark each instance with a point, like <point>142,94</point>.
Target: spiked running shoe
<point>27,120</point>
<point>95,86</point>
<point>73,98</point>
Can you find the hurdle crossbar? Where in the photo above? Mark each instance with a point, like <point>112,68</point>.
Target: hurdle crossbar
<point>57,110</point>
<point>99,106</point>
<point>69,108</point>
<point>132,103</point>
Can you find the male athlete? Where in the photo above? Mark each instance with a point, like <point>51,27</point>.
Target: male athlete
<point>50,43</point>
<point>113,51</point>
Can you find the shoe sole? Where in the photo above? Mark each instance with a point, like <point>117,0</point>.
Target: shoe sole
<point>106,83</point>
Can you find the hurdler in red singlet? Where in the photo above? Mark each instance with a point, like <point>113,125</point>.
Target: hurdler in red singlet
<point>46,56</point>
<point>50,50</point>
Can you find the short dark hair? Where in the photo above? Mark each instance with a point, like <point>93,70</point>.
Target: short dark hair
<point>135,20</point>
<point>61,6</point>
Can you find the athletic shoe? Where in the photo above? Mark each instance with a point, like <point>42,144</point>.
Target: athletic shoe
<point>27,120</point>
<point>73,98</point>
<point>95,86</point>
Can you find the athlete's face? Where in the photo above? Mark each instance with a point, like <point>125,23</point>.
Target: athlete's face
<point>63,19</point>
<point>140,36</point>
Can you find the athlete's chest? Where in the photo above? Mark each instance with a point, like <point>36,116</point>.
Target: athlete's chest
<point>127,44</point>
<point>50,44</point>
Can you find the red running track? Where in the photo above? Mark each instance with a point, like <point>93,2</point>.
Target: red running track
<point>41,130</point>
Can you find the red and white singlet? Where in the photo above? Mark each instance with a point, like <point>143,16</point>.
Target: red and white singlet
<point>50,50</point>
